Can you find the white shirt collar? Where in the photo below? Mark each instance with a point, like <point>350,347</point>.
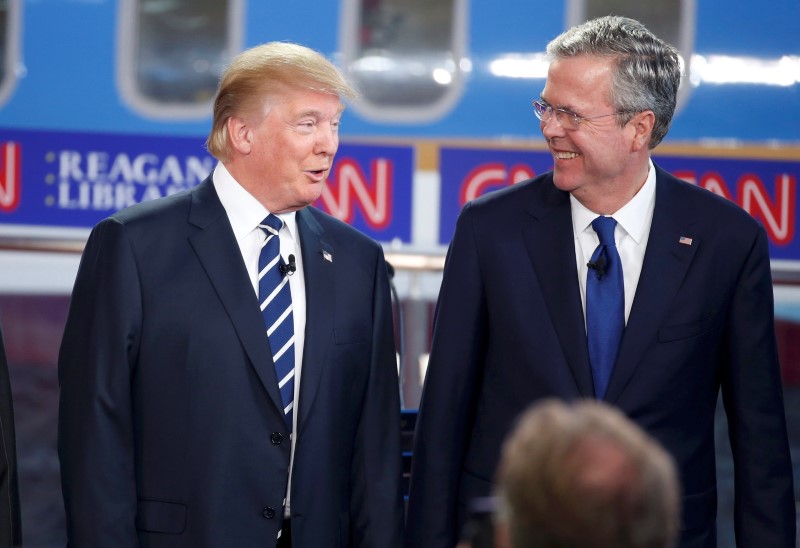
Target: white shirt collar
<point>244,211</point>
<point>634,217</point>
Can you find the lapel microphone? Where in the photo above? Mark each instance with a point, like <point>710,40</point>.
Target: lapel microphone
<point>598,266</point>
<point>290,268</point>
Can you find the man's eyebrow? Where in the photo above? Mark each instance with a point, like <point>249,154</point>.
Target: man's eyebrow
<point>310,112</point>
<point>566,108</point>
<point>315,113</point>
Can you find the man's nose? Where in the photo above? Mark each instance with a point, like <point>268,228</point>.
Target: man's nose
<point>552,127</point>
<point>327,141</point>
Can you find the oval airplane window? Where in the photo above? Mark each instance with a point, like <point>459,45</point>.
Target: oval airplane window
<point>406,57</point>
<point>172,52</point>
<point>9,46</point>
<point>671,20</point>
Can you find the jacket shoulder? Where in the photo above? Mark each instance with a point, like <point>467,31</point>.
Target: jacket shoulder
<point>700,202</point>
<point>519,193</point>
<point>339,230</point>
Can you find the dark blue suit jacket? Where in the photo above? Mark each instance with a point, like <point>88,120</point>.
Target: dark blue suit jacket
<point>10,517</point>
<point>170,430</point>
<point>509,330</point>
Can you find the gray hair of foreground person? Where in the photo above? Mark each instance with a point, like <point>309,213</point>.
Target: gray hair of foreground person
<point>585,475</point>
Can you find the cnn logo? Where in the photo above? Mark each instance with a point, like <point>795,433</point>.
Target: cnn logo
<point>10,155</point>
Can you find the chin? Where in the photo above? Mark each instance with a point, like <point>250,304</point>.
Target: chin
<point>564,182</point>
<point>309,200</point>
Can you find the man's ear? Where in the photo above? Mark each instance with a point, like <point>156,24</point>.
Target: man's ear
<point>642,125</point>
<point>240,134</point>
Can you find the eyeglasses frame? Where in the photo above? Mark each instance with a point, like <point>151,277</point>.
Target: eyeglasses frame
<point>577,120</point>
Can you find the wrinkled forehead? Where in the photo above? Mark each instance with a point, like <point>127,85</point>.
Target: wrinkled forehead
<point>579,81</point>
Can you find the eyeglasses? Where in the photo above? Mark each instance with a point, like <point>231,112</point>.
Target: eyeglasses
<point>568,120</point>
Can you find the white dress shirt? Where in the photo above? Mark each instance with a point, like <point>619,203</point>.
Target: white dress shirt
<point>631,234</point>
<point>245,213</point>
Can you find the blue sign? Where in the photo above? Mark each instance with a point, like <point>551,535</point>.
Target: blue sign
<point>767,189</point>
<point>60,179</point>
<point>370,188</point>
<point>469,173</point>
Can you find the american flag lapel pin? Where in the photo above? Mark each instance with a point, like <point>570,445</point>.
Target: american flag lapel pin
<point>327,256</point>
<point>685,240</point>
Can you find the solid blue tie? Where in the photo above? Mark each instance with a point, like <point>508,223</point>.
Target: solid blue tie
<point>605,305</point>
<point>276,307</point>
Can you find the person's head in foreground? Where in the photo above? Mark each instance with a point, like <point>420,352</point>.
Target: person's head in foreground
<point>584,475</point>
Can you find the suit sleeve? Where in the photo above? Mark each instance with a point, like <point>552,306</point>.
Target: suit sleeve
<point>10,519</point>
<point>95,367</point>
<point>376,473</point>
<point>449,396</point>
<point>764,513</point>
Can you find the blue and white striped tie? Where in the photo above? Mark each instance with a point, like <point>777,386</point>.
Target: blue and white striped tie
<point>276,307</point>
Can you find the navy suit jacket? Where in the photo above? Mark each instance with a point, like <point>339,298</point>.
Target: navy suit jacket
<point>509,330</point>
<point>10,518</point>
<point>171,432</point>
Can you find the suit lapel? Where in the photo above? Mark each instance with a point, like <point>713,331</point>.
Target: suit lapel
<point>219,254</point>
<point>666,262</point>
<point>318,263</point>
<point>550,244</point>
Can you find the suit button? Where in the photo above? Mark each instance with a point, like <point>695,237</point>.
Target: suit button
<point>268,512</point>
<point>276,438</point>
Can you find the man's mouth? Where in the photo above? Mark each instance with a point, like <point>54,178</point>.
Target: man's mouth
<point>565,155</point>
<point>317,173</point>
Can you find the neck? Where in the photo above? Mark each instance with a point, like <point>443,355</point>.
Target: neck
<point>607,199</point>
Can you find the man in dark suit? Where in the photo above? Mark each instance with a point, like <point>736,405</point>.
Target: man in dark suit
<point>10,526</point>
<point>182,422</point>
<point>686,280</point>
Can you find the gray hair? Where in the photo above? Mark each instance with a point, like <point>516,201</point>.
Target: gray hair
<point>262,72</point>
<point>648,70</point>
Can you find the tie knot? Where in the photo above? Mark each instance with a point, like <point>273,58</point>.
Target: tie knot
<point>272,223</point>
<point>604,226</point>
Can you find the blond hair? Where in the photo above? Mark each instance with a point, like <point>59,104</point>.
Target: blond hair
<point>262,72</point>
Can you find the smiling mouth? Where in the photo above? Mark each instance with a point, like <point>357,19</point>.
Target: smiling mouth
<point>565,155</point>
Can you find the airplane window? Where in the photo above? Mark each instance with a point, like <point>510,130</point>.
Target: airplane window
<point>173,52</point>
<point>671,20</point>
<point>405,56</point>
<point>3,40</point>
<point>9,39</point>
